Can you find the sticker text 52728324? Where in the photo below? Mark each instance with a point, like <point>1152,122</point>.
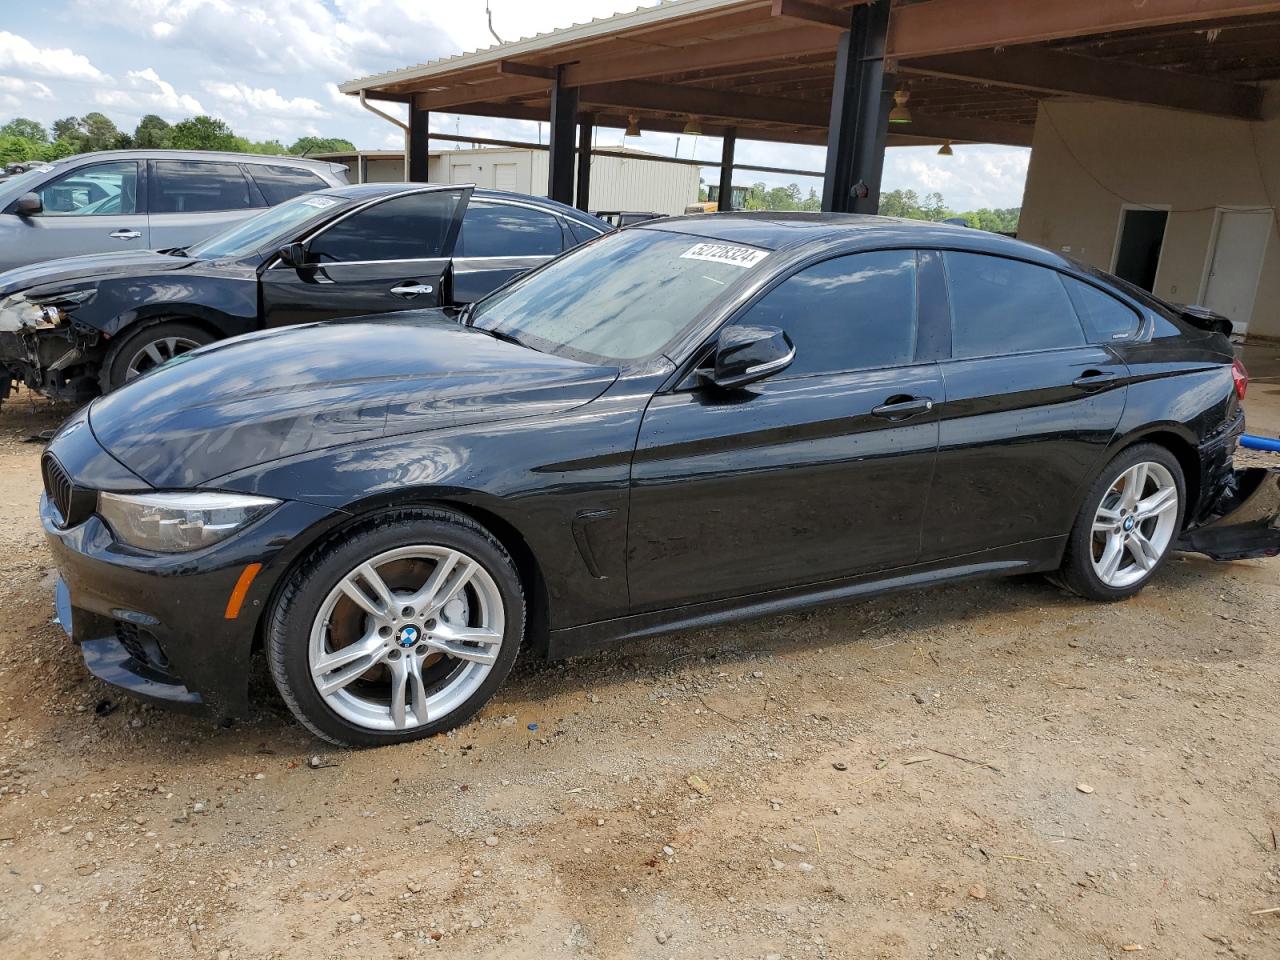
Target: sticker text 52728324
<point>725,253</point>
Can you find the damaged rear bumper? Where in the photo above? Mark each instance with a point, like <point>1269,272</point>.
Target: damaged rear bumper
<point>1245,520</point>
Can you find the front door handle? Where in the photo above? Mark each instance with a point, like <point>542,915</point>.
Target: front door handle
<point>409,291</point>
<point>1093,380</point>
<point>125,235</point>
<point>902,407</point>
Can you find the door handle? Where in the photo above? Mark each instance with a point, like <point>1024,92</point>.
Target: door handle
<point>125,234</point>
<point>410,290</point>
<point>1093,380</point>
<point>902,407</point>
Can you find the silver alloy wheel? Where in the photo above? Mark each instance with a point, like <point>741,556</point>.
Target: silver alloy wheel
<point>155,352</point>
<point>1134,524</point>
<point>424,625</point>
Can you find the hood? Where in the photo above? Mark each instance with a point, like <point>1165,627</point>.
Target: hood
<point>94,266</point>
<point>275,394</point>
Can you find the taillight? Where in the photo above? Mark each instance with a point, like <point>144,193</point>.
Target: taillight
<point>1241,377</point>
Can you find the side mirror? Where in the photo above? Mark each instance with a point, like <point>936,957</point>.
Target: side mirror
<point>747,354</point>
<point>28,205</point>
<point>294,255</point>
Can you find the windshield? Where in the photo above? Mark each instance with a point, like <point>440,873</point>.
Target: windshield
<point>623,297</point>
<point>274,227</point>
<point>24,182</point>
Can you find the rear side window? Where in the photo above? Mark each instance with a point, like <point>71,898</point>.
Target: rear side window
<point>504,230</point>
<point>100,190</point>
<point>279,184</point>
<point>856,312</point>
<point>1104,317</point>
<point>412,227</point>
<point>581,232</point>
<point>1001,306</point>
<point>198,186</point>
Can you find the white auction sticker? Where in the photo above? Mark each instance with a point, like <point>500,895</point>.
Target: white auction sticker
<point>321,202</point>
<point>725,253</point>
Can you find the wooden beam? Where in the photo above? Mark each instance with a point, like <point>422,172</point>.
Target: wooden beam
<point>705,102</point>
<point>1049,71</point>
<point>773,45</point>
<point>938,126</point>
<point>481,93</point>
<point>950,26</point>
<point>511,68</point>
<point>811,13</point>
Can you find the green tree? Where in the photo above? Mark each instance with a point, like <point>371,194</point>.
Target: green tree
<point>101,133</point>
<point>152,132</point>
<point>305,146</point>
<point>203,133</point>
<point>26,129</point>
<point>15,149</point>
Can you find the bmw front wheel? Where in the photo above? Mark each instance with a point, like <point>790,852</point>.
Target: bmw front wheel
<point>401,629</point>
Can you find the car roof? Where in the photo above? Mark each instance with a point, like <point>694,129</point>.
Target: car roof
<point>787,231</point>
<point>369,191</point>
<point>279,160</point>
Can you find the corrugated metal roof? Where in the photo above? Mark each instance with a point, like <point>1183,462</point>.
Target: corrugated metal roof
<point>598,27</point>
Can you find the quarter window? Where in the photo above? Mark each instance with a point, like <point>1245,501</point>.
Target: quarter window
<point>412,227</point>
<point>1104,317</point>
<point>198,186</point>
<point>279,184</point>
<point>100,190</point>
<point>505,230</point>
<point>1001,306</point>
<point>856,312</point>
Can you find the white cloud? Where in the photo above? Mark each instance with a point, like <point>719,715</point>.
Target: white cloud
<point>31,89</point>
<point>146,92</point>
<point>22,56</point>
<point>246,100</point>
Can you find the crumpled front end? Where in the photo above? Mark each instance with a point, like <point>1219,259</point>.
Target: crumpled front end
<point>1244,520</point>
<point>43,347</point>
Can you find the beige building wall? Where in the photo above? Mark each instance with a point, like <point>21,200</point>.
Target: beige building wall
<point>1090,159</point>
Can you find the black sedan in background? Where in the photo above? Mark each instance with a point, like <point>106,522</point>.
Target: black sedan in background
<point>680,424</point>
<point>73,328</point>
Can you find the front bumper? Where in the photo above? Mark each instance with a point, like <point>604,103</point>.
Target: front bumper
<point>57,362</point>
<point>1244,521</point>
<point>158,625</point>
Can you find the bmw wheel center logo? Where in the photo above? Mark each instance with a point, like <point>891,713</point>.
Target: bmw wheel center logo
<point>408,636</point>
<point>1129,524</point>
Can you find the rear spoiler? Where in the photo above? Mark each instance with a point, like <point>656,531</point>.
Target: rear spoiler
<point>1203,318</point>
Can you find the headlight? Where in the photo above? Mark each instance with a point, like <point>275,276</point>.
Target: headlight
<point>176,522</point>
<point>41,311</point>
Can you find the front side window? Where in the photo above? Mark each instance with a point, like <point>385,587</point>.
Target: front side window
<point>99,190</point>
<point>270,229</point>
<point>1001,306</point>
<point>507,230</point>
<point>856,312</point>
<point>411,227</point>
<point>627,296</point>
<point>1104,317</point>
<point>199,186</point>
<point>279,184</point>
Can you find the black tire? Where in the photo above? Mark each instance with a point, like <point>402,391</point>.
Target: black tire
<point>1077,572</point>
<point>115,366</point>
<point>290,622</point>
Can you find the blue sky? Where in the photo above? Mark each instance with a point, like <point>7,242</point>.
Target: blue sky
<point>271,70</point>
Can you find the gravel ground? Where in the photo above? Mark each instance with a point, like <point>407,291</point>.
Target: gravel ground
<point>987,770</point>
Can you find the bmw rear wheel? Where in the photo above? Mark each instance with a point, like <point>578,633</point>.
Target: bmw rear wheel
<point>1127,525</point>
<point>402,629</point>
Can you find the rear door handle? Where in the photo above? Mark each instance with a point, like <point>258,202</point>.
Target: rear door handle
<point>1093,380</point>
<point>902,407</point>
<point>409,291</point>
<point>125,235</point>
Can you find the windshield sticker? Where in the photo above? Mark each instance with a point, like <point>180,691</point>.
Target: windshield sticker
<point>321,202</point>
<point>725,253</point>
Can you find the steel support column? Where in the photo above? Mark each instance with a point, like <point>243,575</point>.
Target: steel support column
<point>585,127</point>
<point>564,116</point>
<point>724,202</point>
<point>418,148</point>
<point>860,102</point>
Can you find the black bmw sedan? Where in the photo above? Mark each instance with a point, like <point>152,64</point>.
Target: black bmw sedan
<point>677,425</point>
<point>75,327</point>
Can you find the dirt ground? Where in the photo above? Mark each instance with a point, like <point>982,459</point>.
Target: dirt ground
<point>989,770</point>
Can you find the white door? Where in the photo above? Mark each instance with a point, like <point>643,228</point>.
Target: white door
<point>1237,264</point>
<point>504,176</point>
<point>461,173</point>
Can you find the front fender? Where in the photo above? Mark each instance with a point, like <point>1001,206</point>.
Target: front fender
<point>229,306</point>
